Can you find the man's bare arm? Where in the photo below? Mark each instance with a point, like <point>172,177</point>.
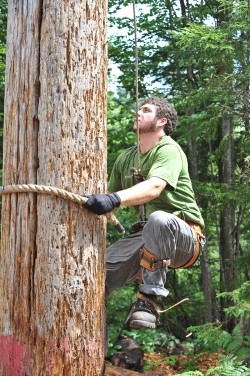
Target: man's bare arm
<point>143,192</point>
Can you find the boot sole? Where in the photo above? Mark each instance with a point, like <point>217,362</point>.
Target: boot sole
<point>137,324</point>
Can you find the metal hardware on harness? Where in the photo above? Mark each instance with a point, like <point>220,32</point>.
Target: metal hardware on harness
<point>151,262</point>
<point>138,179</point>
<point>197,229</point>
<point>137,227</point>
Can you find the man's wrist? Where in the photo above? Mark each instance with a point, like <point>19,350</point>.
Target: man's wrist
<point>115,198</point>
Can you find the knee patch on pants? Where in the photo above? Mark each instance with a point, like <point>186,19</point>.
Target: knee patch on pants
<point>152,262</point>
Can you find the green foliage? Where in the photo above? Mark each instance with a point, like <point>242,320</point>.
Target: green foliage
<point>212,338</point>
<point>229,366</point>
<point>170,46</point>
<point>208,42</point>
<point>198,56</point>
<point>120,123</point>
<point>209,337</point>
<point>190,373</point>
<point>120,136</point>
<point>150,364</point>
<point>119,304</point>
<point>148,339</point>
<point>241,299</point>
<point>203,67</point>
<point>171,359</point>
<point>126,218</point>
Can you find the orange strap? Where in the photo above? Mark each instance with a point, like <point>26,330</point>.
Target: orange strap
<point>197,230</point>
<point>151,262</point>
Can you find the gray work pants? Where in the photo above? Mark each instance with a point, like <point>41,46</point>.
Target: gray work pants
<point>164,235</point>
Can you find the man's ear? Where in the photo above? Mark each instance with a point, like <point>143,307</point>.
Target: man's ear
<point>163,121</point>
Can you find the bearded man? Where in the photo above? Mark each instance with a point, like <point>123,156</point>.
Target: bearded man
<point>168,233</point>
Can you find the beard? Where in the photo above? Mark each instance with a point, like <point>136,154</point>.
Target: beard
<point>148,128</point>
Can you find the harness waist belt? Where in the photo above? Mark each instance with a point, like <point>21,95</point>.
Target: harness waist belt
<point>197,230</point>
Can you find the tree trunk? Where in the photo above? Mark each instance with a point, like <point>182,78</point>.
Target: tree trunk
<point>211,311</point>
<point>52,314</point>
<point>227,216</point>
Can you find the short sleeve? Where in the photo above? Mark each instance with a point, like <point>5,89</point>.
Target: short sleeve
<point>114,183</point>
<point>167,165</point>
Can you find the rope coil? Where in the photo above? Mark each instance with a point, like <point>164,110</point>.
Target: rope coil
<point>33,188</point>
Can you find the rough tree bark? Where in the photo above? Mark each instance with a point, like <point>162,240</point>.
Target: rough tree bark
<point>52,313</point>
<point>227,217</point>
<point>226,166</point>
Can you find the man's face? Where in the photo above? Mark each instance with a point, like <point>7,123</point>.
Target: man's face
<point>147,120</point>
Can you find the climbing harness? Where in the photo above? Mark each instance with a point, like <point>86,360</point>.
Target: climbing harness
<point>151,262</point>
<point>197,231</point>
<point>24,188</point>
<point>142,208</point>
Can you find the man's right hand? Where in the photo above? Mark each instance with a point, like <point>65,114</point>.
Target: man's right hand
<point>101,204</point>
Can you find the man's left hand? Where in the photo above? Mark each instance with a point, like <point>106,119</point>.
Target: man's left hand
<point>101,204</point>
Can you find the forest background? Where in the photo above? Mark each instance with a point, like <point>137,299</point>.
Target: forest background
<point>197,55</point>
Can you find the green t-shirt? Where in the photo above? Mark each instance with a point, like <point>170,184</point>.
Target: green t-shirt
<point>166,160</point>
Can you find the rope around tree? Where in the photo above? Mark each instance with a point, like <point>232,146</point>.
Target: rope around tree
<point>43,189</point>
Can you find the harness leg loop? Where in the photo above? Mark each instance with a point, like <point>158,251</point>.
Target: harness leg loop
<point>151,262</point>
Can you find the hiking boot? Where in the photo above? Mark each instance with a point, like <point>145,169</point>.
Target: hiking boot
<point>143,314</point>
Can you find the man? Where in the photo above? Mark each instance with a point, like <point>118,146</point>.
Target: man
<point>169,231</point>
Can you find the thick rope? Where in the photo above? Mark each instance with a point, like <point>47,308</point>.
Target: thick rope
<point>136,86</point>
<point>24,188</point>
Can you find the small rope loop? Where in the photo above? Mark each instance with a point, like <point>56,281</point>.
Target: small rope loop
<point>173,306</point>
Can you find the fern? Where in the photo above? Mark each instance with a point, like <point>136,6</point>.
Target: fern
<point>229,366</point>
<point>213,338</point>
<point>210,336</point>
<point>241,299</point>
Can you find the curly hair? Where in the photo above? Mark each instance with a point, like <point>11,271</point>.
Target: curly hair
<point>164,110</point>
